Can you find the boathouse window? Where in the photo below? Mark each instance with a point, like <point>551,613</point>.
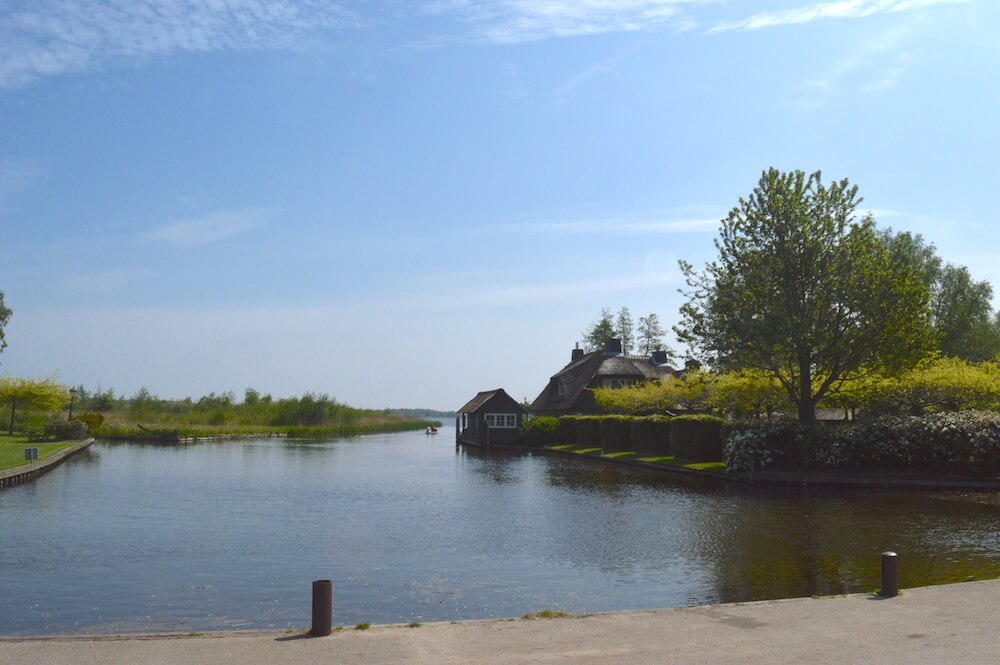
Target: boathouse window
<point>501,420</point>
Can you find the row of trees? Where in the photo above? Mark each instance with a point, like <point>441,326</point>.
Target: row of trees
<point>643,339</point>
<point>805,293</point>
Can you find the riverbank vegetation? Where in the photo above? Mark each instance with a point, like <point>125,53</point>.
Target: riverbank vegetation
<point>103,414</point>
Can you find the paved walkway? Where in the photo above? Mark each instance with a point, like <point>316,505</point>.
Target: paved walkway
<point>931,625</point>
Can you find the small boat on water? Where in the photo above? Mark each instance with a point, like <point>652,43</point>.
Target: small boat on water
<point>431,430</point>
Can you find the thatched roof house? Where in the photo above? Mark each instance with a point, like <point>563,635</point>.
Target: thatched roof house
<point>567,391</point>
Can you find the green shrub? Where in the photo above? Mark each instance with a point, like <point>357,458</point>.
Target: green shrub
<point>651,435</point>
<point>70,430</point>
<point>616,433</point>
<point>91,420</point>
<point>774,445</point>
<point>540,431</point>
<point>697,438</point>
<point>35,433</point>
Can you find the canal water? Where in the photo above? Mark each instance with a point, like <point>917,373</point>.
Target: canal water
<point>214,536</point>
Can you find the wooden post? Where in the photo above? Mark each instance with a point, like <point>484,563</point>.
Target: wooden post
<point>890,575</point>
<point>322,608</point>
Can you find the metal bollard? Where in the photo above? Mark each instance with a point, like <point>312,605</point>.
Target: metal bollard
<point>322,614</point>
<point>890,575</point>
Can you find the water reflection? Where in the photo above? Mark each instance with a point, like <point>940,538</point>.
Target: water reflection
<point>229,534</point>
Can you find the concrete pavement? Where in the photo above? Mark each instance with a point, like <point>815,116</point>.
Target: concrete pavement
<point>932,625</point>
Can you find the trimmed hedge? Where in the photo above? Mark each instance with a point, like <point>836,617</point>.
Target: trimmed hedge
<point>616,433</point>
<point>567,429</point>
<point>651,436</point>
<point>588,431</point>
<point>540,431</point>
<point>966,443</point>
<point>697,438</point>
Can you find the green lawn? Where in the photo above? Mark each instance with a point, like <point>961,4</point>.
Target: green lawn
<point>620,453</point>
<point>715,467</point>
<point>12,450</point>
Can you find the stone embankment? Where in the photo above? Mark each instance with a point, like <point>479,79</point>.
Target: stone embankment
<point>28,472</point>
<point>926,626</point>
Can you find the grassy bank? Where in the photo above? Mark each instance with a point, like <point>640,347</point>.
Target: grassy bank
<point>632,456</point>
<point>12,450</point>
<point>145,416</point>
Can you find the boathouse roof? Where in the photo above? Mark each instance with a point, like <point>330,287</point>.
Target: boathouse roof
<point>482,398</point>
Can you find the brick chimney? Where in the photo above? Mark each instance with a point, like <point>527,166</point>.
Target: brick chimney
<point>613,347</point>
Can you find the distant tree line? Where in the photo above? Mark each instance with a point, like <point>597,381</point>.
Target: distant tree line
<point>32,404</point>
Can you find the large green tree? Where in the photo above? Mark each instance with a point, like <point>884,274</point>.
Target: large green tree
<point>804,290</point>
<point>4,318</point>
<point>31,394</point>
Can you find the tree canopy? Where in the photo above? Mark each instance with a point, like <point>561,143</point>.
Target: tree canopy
<point>965,325</point>
<point>651,335</point>
<point>805,291</point>
<point>600,331</point>
<point>31,394</point>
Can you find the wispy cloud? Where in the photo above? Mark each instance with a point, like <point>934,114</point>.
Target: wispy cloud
<point>616,226</point>
<point>87,283</point>
<point>512,21</point>
<point>559,291</point>
<point>49,37</point>
<point>870,68</point>
<point>826,10</point>
<point>567,89</point>
<point>209,228</point>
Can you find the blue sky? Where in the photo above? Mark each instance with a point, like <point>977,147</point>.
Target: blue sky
<point>402,203</point>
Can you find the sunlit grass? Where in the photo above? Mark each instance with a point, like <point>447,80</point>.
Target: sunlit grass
<point>715,467</point>
<point>616,455</point>
<point>12,450</point>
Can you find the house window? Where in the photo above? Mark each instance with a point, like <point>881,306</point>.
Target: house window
<point>610,382</point>
<point>501,420</point>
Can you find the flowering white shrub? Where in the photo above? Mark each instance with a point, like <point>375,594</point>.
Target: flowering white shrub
<point>966,442</point>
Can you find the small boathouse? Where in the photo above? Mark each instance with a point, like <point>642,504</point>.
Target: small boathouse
<point>492,417</point>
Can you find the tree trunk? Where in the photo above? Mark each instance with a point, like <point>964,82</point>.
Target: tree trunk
<point>13,405</point>
<point>807,405</point>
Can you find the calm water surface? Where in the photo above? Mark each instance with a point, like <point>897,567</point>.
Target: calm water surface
<point>138,537</point>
